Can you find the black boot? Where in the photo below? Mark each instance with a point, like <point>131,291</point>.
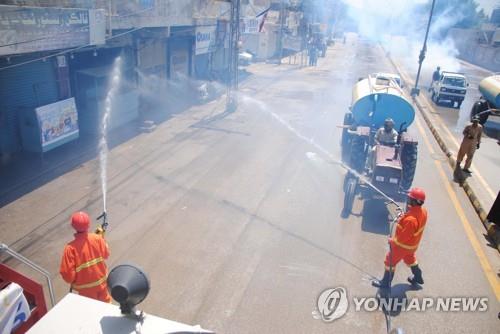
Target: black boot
<point>416,278</point>
<point>385,282</point>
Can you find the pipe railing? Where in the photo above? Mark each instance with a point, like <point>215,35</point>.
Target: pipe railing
<point>32,265</point>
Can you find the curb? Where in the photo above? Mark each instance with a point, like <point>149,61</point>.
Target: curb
<point>492,232</point>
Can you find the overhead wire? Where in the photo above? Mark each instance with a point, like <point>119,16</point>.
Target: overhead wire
<point>67,51</point>
<point>72,49</point>
<point>90,45</point>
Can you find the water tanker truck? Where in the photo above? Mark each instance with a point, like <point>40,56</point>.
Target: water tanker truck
<point>489,104</point>
<point>388,168</point>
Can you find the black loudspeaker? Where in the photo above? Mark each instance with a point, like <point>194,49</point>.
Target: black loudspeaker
<point>129,286</point>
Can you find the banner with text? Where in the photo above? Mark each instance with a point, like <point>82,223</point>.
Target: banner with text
<point>32,29</point>
<point>206,37</point>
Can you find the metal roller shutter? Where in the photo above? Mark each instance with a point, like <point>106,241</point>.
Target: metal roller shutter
<point>27,86</point>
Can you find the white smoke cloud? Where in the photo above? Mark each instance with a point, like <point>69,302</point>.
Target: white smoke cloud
<point>400,27</point>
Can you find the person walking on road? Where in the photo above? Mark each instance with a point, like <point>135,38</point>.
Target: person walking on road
<point>435,76</point>
<point>470,143</point>
<point>313,53</point>
<point>82,263</point>
<point>404,243</point>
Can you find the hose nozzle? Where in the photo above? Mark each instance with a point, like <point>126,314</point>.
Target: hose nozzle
<point>104,217</point>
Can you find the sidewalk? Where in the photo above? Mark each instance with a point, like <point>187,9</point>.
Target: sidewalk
<point>483,185</point>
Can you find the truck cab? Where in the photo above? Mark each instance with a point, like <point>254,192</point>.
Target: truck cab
<point>385,79</point>
<point>451,87</point>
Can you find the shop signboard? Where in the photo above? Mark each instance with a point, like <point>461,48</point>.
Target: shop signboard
<point>206,38</point>
<point>32,29</point>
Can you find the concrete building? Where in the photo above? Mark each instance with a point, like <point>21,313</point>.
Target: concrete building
<point>478,46</point>
<point>55,51</point>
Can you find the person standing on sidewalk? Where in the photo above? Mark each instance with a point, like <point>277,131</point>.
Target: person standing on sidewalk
<point>82,263</point>
<point>470,143</point>
<point>403,245</point>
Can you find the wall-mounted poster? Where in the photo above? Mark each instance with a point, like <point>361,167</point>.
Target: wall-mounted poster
<point>58,123</point>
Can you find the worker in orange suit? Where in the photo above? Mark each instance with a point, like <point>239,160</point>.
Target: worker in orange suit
<point>82,264</point>
<point>404,243</point>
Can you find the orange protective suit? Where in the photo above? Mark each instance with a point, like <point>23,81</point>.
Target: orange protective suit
<point>83,266</point>
<point>404,243</point>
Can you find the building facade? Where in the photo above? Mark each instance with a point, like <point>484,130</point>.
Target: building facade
<point>54,53</point>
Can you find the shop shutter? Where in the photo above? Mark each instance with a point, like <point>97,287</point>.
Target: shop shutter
<point>27,86</point>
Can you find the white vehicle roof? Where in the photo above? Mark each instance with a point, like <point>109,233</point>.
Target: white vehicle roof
<point>385,79</point>
<point>386,75</point>
<point>77,314</point>
<point>453,74</point>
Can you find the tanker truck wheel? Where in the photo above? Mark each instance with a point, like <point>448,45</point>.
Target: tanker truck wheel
<point>350,186</point>
<point>409,158</point>
<point>358,154</point>
<point>345,139</point>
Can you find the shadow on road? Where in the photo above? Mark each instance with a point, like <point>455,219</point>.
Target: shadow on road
<point>394,300</point>
<point>29,171</point>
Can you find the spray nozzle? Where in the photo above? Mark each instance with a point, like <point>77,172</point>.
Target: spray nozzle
<point>104,217</point>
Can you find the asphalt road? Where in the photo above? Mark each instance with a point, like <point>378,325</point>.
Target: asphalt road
<point>236,218</point>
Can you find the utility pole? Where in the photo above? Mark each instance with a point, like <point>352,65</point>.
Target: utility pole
<point>282,23</point>
<point>234,38</point>
<point>415,91</point>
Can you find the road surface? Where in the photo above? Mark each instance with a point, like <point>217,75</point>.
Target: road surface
<point>236,218</point>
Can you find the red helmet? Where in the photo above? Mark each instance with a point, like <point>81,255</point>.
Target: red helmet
<point>417,193</point>
<point>80,221</point>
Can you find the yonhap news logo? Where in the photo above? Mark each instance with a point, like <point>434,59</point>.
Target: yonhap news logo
<point>333,303</point>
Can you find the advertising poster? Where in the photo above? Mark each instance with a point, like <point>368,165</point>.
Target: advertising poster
<point>58,123</point>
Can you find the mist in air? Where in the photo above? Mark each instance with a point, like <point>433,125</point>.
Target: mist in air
<point>399,25</point>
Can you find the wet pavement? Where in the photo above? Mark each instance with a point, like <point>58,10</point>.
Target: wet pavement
<point>236,217</point>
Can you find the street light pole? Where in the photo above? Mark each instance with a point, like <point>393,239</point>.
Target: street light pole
<point>415,91</point>
<point>232,87</point>
<point>282,22</point>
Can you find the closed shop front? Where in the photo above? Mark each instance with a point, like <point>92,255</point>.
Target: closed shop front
<point>24,87</point>
<point>179,53</point>
<point>205,46</point>
<point>92,78</point>
<point>152,74</point>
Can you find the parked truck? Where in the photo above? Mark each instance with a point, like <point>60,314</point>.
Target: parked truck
<point>489,103</point>
<point>450,87</point>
